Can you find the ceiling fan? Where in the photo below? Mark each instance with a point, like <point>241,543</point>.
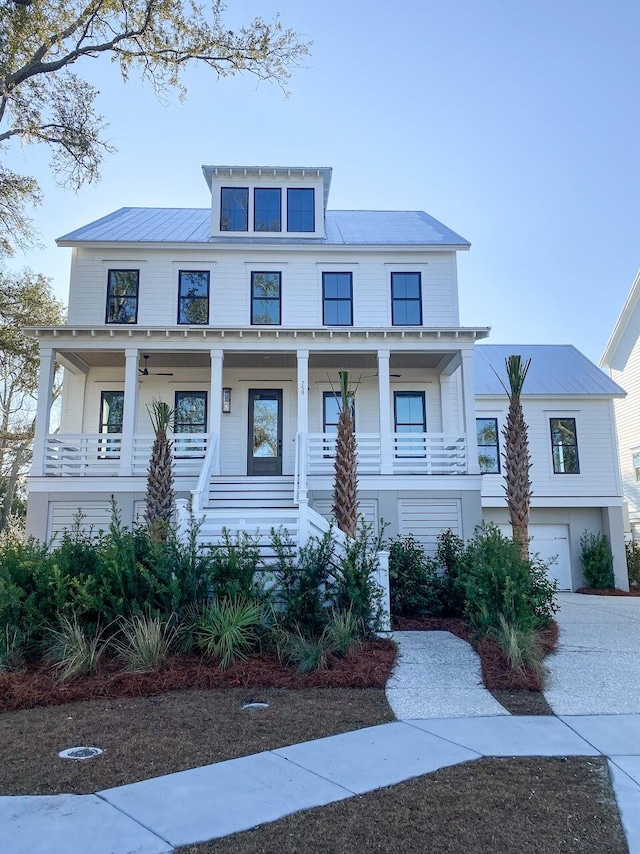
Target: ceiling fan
<point>145,372</point>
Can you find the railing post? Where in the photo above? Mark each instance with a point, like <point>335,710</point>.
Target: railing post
<point>303,522</point>
<point>182,518</point>
<point>215,406</point>
<point>382,579</point>
<point>43,412</point>
<point>468,393</point>
<point>384,405</point>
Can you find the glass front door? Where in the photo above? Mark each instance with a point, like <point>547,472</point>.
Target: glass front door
<point>265,432</point>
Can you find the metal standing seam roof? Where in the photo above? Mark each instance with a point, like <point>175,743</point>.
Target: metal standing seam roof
<point>556,369</point>
<point>192,225</point>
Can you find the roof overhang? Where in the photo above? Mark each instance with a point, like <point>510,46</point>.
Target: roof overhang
<point>629,307</point>
<point>286,172</point>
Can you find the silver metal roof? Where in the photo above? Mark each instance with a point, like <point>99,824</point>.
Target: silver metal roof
<point>192,225</point>
<point>556,369</point>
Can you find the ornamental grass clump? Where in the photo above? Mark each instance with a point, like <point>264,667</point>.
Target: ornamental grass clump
<point>229,629</point>
<point>521,647</point>
<point>75,650</point>
<point>145,642</point>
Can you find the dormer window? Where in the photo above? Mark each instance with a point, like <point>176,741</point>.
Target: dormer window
<point>301,210</point>
<point>267,209</point>
<point>234,209</point>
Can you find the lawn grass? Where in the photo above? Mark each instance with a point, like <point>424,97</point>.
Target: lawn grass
<point>491,806</point>
<point>148,736</point>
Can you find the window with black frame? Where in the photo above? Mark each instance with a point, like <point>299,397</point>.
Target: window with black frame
<point>337,299</point>
<point>564,446</point>
<point>488,451</point>
<point>234,209</point>
<point>301,209</point>
<point>193,297</point>
<point>190,416</point>
<point>111,414</point>
<point>330,416</point>
<point>266,299</point>
<point>410,418</point>
<point>122,296</point>
<point>267,209</point>
<point>406,299</point>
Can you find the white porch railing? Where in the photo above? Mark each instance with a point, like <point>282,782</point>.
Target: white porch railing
<point>322,450</point>
<point>86,455</point>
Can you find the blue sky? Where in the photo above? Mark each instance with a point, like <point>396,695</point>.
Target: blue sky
<point>515,124</point>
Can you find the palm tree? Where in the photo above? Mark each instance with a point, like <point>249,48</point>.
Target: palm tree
<point>345,483</point>
<point>517,461</point>
<point>160,495</point>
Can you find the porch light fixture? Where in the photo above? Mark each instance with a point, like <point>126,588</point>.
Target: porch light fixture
<point>226,400</point>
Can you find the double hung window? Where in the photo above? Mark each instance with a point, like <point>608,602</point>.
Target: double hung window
<point>406,299</point>
<point>266,303</point>
<point>190,416</point>
<point>409,412</point>
<point>564,446</point>
<point>122,296</point>
<point>193,297</point>
<point>488,451</point>
<point>111,409</point>
<point>337,299</point>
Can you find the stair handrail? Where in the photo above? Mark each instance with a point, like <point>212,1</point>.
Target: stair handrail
<point>205,473</point>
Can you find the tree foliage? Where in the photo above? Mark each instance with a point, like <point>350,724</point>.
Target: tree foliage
<point>44,100</point>
<point>25,298</point>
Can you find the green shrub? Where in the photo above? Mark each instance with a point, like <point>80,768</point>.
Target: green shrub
<point>343,632</point>
<point>301,581</point>
<point>307,654</point>
<point>415,587</point>
<point>521,647</point>
<point>632,549</point>
<point>499,584</point>
<point>234,566</point>
<point>596,560</point>
<point>449,556</point>
<point>74,651</point>
<point>229,629</point>
<point>353,586</point>
<point>144,642</point>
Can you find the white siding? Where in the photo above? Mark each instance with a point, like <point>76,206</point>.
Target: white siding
<point>627,413</point>
<point>368,508</point>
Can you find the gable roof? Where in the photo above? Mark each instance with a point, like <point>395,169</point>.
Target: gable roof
<point>625,332</point>
<point>556,369</point>
<point>192,225</point>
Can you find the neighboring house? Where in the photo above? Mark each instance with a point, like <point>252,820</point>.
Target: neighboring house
<point>240,317</point>
<point>568,405</point>
<point>621,359</point>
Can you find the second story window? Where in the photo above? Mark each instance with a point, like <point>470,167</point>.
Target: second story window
<point>409,412</point>
<point>636,465</point>
<point>488,456</point>
<point>337,299</point>
<point>406,299</point>
<point>301,210</point>
<point>234,209</point>
<point>122,296</point>
<point>193,296</point>
<point>266,308</point>
<point>267,210</point>
<point>564,446</point>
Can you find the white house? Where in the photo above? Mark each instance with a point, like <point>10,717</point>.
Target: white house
<point>621,359</point>
<point>240,317</point>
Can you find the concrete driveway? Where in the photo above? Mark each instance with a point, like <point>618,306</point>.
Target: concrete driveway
<point>597,667</point>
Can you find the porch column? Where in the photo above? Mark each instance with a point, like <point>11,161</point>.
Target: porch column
<point>43,412</point>
<point>303,391</point>
<point>215,406</point>
<point>445,403</point>
<point>303,431</point>
<point>469,402</point>
<point>129,411</point>
<point>384,406</point>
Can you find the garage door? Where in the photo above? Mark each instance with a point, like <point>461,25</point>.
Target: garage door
<point>551,542</point>
<point>425,519</point>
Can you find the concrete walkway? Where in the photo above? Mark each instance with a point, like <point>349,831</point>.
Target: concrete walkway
<point>438,676</point>
<point>157,815</point>
<point>597,667</point>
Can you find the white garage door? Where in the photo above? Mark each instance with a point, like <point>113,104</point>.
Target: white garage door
<point>551,542</point>
<point>425,519</point>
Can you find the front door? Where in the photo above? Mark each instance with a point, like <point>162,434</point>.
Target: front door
<point>265,432</point>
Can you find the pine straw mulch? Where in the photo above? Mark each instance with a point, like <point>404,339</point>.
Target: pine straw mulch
<point>609,591</point>
<point>508,806</point>
<point>368,666</point>
<point>518,690</point>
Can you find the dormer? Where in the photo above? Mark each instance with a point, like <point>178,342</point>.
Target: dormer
<point>268,201</point>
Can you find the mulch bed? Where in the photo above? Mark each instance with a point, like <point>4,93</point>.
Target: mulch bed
<point>510,806</point>
<point>517,690</point>
<point>609,591</point>
<point>147,736</point>
<point>369,666</point>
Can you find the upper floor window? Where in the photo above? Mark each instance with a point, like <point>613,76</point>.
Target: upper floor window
<point>337,299</point>
<point>267,209</point>
<point>488,456</point>
<point>636,465</point>
<point>193,296</point>
<point>564,446</point>
<point>301,210</point>
<point>406,299</point>
<point>122,296</point>
<point>409,412</point>
<point>234,209</point>
<point>266,301</point>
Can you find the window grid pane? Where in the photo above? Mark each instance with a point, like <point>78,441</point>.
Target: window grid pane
<point>265,299</point>
<point>193,297</point>
<point>409,412</point>
<point>122,296</point>
<point>406,299</point>
<point>301,210</point>
<point>234,209</point>
<point>267,210</point>
<point>337,303</point>
<point>564,446</point>
<point>488,451</point>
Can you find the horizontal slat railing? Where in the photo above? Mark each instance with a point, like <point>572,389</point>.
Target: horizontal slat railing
<point>322,450</point>
<point>189,452</point>
<point>429,453</point>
